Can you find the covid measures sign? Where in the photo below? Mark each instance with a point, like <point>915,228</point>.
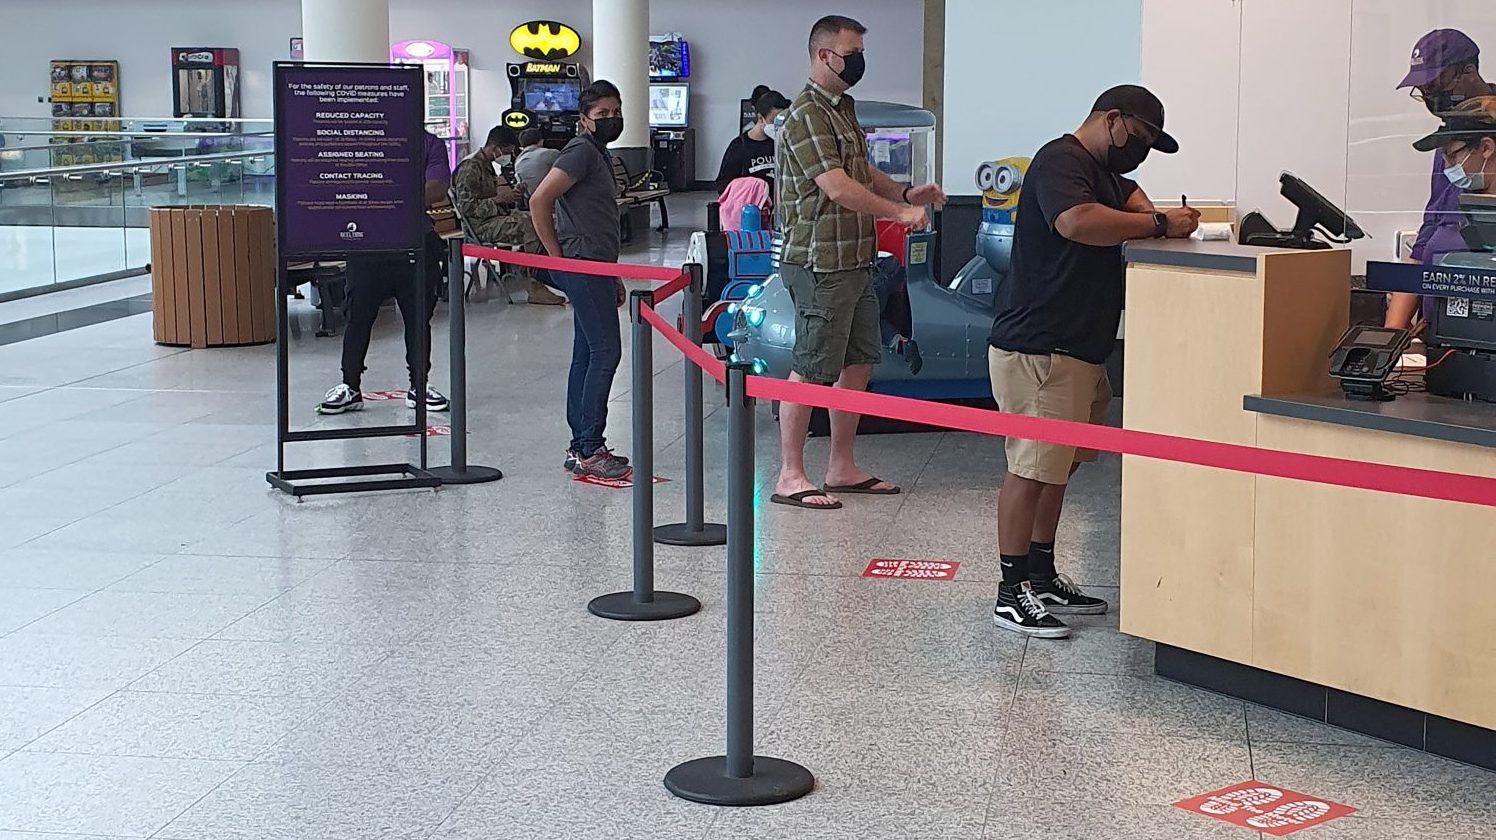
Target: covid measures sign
<point>349,150</point>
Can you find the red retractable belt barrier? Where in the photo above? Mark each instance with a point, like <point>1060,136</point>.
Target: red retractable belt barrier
<point>629,271</point>
<point>1317,469</point>
<point>1341,472</point>
<point>694,354</point>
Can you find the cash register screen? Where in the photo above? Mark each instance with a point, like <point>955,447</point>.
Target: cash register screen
<point>1376,338</point>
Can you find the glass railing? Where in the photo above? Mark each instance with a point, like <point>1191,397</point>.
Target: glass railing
<point>86,222</point>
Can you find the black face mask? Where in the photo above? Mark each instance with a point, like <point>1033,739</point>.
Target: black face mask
<point>1128,156</point>
<point>607,129</point>
<point>1443,102</point>
<point>854,65</point>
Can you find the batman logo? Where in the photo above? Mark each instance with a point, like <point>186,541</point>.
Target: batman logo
<point>517,120</point>
<point>545,39</point>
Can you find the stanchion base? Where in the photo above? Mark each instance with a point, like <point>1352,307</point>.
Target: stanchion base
<point>705,780</point>
<point>681,534</point>
<point>471,475</point>
<point>621,606</point>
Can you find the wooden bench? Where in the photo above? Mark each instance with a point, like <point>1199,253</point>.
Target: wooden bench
<point>628,197</point>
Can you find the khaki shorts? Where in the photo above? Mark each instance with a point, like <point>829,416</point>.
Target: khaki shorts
<point>836,322</point>
<point>1057,387</point>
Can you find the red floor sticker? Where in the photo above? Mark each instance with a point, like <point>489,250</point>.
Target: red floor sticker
<point>436,431</point>
<point>613,483</point>
<point>916,569</point>
<point>376,396</point>
<point>1271,810</point>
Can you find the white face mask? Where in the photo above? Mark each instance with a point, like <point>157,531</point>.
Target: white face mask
<point>1464,180</point>
<point>771,131</point>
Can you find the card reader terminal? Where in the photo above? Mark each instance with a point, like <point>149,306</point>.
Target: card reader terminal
<point>1364,358</point>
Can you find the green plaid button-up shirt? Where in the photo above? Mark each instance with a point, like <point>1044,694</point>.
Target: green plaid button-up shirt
<point>820,134</point>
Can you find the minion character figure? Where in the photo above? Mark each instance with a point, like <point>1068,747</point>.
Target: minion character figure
<point>1000,182</point>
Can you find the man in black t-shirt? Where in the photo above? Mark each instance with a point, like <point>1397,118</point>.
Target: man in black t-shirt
<point>1056,323</point>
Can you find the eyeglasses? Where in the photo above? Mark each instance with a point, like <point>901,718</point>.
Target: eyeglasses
<point>1451,156</point>
<point>1153,130</point>
<point>1441,84</point>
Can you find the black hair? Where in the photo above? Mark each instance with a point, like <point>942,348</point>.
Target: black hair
<point>758,91</point>
<point>595,93</point>
<point>503,137</point>
<point>768,101</point>
<point>529,137</point>
<point>831,26</point>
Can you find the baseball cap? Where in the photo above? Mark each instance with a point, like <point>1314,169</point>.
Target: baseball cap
<point>1435,51</point>
<point>1139,102</point>
<point>1475,119</point>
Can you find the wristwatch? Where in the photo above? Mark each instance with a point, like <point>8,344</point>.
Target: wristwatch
<point>1160,225</point>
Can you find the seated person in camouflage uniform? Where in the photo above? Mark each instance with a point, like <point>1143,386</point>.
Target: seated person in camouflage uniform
<point>489,205</point>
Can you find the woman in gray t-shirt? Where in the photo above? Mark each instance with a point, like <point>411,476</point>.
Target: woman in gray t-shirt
<point>575,211</point>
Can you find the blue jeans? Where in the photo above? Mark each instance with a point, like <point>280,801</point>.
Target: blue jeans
<point>595,352</point>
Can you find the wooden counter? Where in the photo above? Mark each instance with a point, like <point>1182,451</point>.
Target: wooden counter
<point>1380,603</point>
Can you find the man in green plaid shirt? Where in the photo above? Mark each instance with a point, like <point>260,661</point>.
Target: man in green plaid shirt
<point>829,196</point>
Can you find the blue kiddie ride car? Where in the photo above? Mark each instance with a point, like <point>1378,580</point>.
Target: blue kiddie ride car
<point>935,335</point>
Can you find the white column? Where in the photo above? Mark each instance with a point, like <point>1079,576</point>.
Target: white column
<point>346,30</point>
<point>620,54</point>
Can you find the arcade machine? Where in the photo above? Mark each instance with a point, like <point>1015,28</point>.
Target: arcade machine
<point>205,85</point>
<point>545,91</point>
<point>671,138</point>
<point>446,72</point>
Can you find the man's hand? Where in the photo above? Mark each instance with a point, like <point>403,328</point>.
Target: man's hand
<point>1182,221</point>
<point>620,292</point>
<point>927,194</point>
<point>915,217</point>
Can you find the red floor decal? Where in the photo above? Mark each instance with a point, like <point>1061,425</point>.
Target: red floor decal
<point>1271,810</point>
<point>613,483</point>
<point>916,569</point>
<point>377,396</point>
<point>436,431</point>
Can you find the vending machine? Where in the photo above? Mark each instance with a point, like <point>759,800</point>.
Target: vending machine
<point>446,73</point>
<point>205,84</point>
<point>85,97</point>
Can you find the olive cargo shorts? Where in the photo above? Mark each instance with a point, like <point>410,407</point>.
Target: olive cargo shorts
<point>1058,387</point>
<point>836,321</point>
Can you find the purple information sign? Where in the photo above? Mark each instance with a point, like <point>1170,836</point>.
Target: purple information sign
<point>349,166</point>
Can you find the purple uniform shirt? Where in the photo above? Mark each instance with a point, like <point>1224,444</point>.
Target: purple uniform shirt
<point>1440,232</point>
<point>435,153</point>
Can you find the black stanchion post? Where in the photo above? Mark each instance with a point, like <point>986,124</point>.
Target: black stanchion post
<point>643,603</point>
<point>739,777</point>
<point>459,471</point>
<point>695,531</point>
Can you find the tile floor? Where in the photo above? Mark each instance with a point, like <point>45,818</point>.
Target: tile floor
<point>187,655</point>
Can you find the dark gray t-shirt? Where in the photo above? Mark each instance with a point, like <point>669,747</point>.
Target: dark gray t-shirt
<point>587,214</point>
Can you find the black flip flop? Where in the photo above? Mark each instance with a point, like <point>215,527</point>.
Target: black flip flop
<point>798,500</point>
<point>865,488</point>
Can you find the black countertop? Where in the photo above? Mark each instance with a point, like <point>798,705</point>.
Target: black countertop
<point>1419,415</point>
<point>1187,253</point>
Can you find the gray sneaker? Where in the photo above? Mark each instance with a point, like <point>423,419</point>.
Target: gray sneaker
<point>603,464</point>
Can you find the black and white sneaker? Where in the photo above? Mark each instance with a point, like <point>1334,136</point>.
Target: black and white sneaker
<point>434,400</point>
<point>1020,610</point>
<point>1062,596</point>
<point>340,399</point>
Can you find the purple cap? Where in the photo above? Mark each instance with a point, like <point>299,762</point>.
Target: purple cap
<point>1435,51</point>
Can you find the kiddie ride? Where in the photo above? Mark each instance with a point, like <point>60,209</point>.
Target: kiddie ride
<point>934,335</point>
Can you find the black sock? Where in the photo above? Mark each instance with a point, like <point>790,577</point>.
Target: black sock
<point>1015,568</point>
<point>1041,561</point>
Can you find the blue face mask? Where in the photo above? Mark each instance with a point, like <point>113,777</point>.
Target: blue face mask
<point>1465,181</point>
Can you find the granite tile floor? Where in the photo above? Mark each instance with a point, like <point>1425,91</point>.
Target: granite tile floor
<point>187,655</point>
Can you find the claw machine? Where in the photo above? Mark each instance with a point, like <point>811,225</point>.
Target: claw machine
<point>446,72</point>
